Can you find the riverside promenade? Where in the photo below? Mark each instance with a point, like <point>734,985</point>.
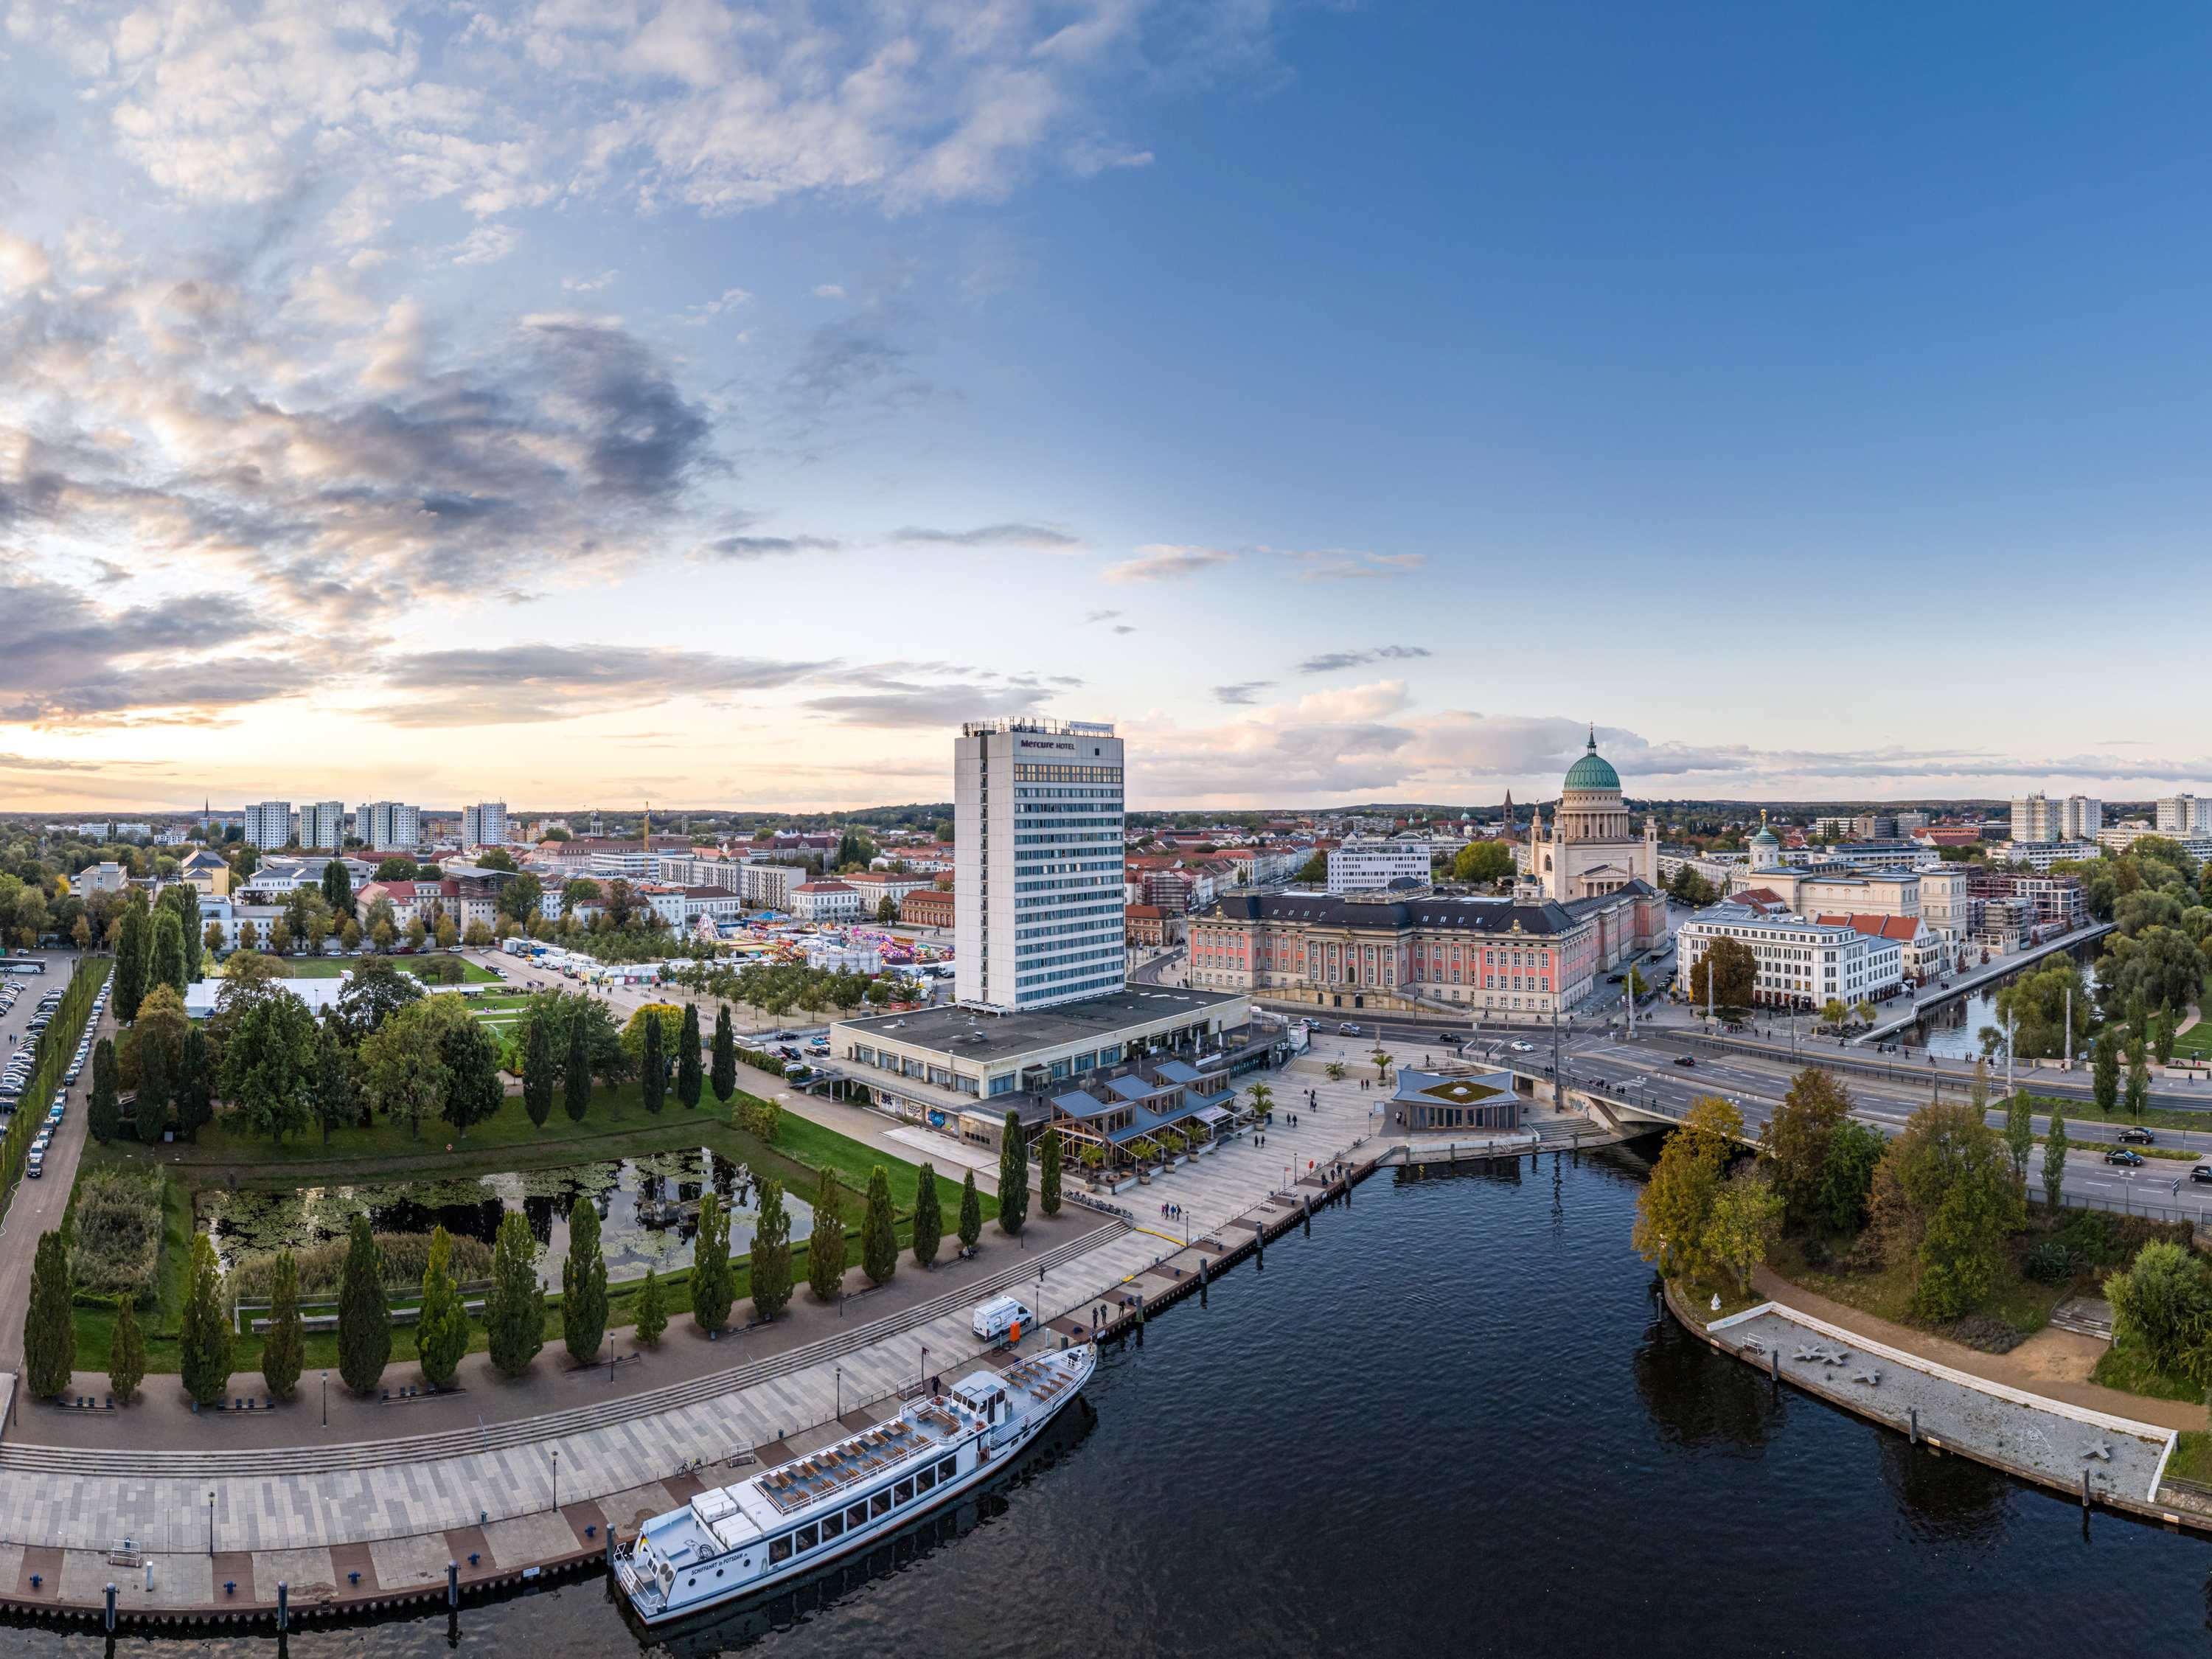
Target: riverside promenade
<point>207,1530</point>
<point>2095,1456</point>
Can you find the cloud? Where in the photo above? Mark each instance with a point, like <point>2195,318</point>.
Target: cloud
<point>1332,566</point>
<point>345,456</point>
<point>1162,563</point>
<point>23,263</point>
<point>736,548</point>
<point>923,695</point>
<point>1245,691</point>
<point>1331,661</point>
<point>503,684</point>
<point>1100,616</point>
<point>1041,538</point>
<point>828,291</point>
<point>589,284</point>
<point>485,245</point>
<point>64,661</point>
<point>699,315</point>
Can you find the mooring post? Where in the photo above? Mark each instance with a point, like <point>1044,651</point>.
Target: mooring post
<point>452,1583</point>
<point>111,1588</point>
<point>1308,1215</point>
<point>283,1607</point>
<point>2085,1489</point>
<point>1915,1430</point>
<point>610,1549</point>
<point>1204,1274</point>
<point>1774,1364</point>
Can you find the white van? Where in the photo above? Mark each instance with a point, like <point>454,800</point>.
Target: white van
<point>1000,1316</point>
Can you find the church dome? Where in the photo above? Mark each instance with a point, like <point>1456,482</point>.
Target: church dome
<point>1593,771</point>
<point>1765,837</point>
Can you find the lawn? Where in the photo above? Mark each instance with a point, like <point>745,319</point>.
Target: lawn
<point>2192,1457</point>
<point>2122,1367</point>
<point>2083,1111</point>
<point>801,1149</point>
<point>2196,1042</point>
<point>2017,1302</point>
<point>332,967</point>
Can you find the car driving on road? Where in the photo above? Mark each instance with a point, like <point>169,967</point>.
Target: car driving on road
<point>2137,1137</point>
<point>2122,1155</point>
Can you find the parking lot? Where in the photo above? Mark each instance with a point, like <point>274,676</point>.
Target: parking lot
<point>38,1205</point>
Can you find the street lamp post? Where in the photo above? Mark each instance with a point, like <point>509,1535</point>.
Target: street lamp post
<point>211,1526</point>
<point>556,1477</point>
<point>326,1399</point>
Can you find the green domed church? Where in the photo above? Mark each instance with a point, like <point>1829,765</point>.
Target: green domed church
<point>1591,848</point>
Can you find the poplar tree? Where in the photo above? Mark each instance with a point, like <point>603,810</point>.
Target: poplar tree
<point>771,1254</point>
<point>712,1289</point>
<point>1048,1174</point>
<point>825,1245</point>
<point>928,1218</point>
<point>652,1309</point>
<point>131,942</point>
<point>153,1106</point>
<point>972,1212</point>
<point>185,898</point>
<point>2107,1087</point>
<point>127,1351</point>
<point>2054,1162</point>
<point>284,1345</point>
<point>204,1333</point>
<point>194,1091</point>
<point>576,1079</point>
<point>688,1080</point>
<point>49,1328</point>
<point>878,1230</point>
<point>165,952</point>
<point>441,1330</point>
<point>2138,1096</point>
<point>726,1057</point>
<point>652,1068</point>
<point>514,1312</point>
<point>364,1312</point>
<point>1013,1177</point>
<point>103,1116</point>
<point>584,1285</point>
<point>537,1072</point>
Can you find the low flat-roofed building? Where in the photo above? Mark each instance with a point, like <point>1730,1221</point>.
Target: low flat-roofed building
<point>963,1069</point>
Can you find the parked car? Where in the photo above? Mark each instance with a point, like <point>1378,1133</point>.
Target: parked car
<point>2122,1155</point>
<point>2137,1137</point>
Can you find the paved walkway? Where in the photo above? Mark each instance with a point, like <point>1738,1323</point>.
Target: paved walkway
<point>2053,1363</point>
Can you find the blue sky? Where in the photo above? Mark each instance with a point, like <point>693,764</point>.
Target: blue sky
<point>716,402</point>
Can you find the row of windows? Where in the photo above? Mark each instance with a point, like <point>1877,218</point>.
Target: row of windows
<point>1097,911</point>
<point>873,1507</point>
<point>1059,976</point>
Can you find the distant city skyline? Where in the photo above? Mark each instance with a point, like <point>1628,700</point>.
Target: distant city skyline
<point>720,403</point>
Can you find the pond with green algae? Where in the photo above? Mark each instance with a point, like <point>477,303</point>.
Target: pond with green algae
<point>647,1207</point>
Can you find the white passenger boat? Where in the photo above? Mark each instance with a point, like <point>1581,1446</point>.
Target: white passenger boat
<point>737,1540</point>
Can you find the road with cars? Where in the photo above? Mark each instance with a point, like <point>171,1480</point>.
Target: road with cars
<point>1653,1076</point>
<point>37,1206</point>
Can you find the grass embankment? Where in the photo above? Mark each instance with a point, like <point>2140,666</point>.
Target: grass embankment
<point>2084,1111</point>
<point>2018,1306</point>
<point>2122,1367</point>
<point>802,1150</point>
<point>2192,1457</point>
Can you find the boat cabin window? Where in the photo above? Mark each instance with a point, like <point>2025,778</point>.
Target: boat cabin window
<point>857,1515</point>
<point>807,1537</point>
<point>779,1549</point>
<point>945,1469</point>
<point>924,1480</point>
<point>833,1526</point>
<point>903,1492</point>
<point>880,1502</point>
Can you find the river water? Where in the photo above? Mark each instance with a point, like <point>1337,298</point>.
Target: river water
<point>1455,1421</point>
